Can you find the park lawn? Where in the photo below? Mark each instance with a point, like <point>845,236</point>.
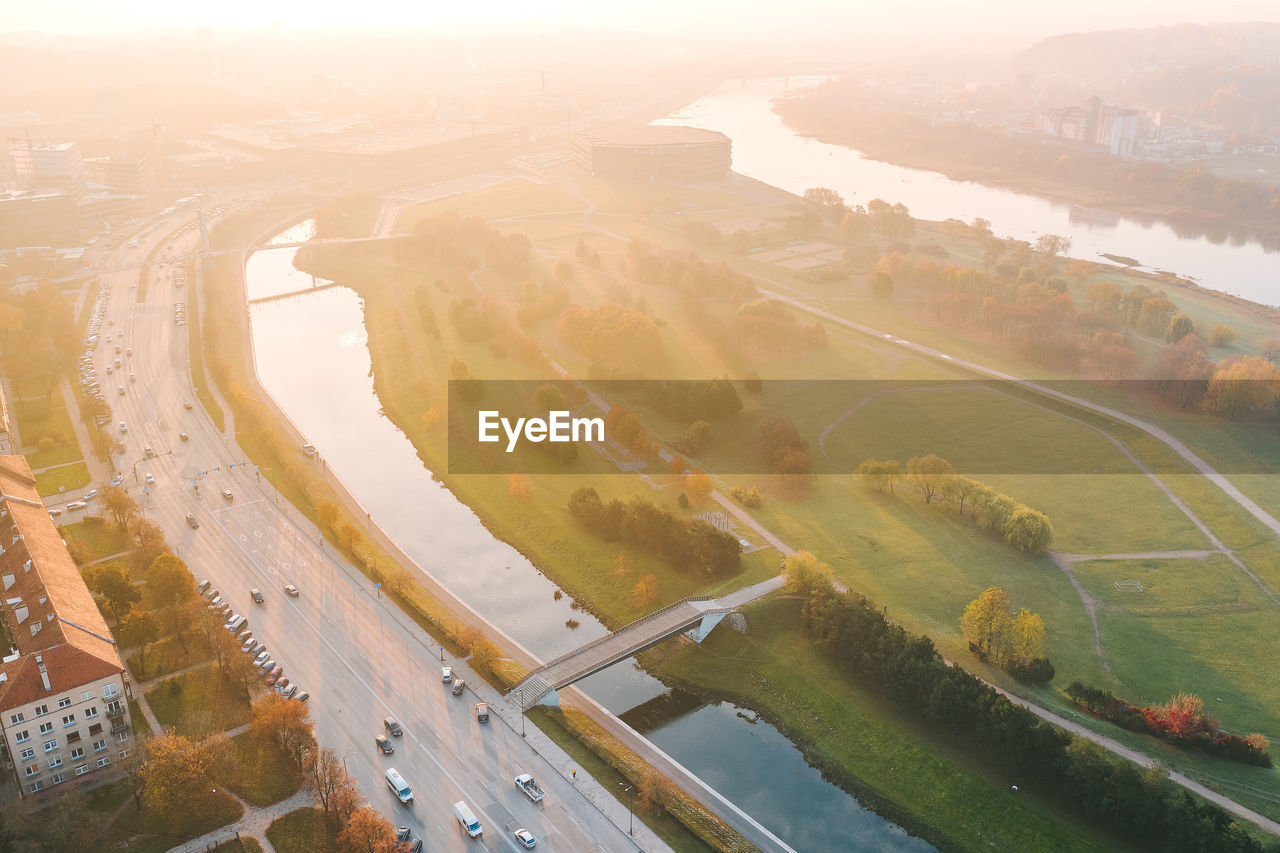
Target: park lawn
<point>139,721</point>
<point>95,538</point>
<point>107,798</point>
<point>909,772</point>
<point>38,420</point>
<point>166,655</point>
<point>1197,626</point>
<point>516,197</point>
<point>262,773</point>
<point>670,830</point>
<point>201,703</point>
<point>925,564</point>
<point>56,480</point>
<point>247,844</point>
<point>301,831</point>
<point>147,832</point>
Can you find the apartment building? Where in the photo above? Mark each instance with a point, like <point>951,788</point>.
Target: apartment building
<point>64,711</point>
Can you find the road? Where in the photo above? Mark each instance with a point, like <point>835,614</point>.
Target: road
<point>358,662</point>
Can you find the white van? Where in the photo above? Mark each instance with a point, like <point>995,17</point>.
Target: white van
<point>398,786</point>
<point>466,819</point>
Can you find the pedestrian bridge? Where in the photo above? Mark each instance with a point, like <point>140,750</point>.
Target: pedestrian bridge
<point>695,616</point>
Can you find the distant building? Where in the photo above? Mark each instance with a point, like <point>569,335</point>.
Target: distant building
<point>50,166</point>
<point>654,153</point>
<point>64,711</point>
<point>1095,123</point>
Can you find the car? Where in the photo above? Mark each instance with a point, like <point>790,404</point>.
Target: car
<point>192,522</point>
<point>384,744</point>
<point>301,697</point>
<point>150,478</point>
<point>291,590</point>
<point>132,378</point>
<point>267,665</point>
<point>245,636</point>
<point>392,727</point>
<point>256,595</point>
<point>203,584</point>
<point>526,838</point>
<point>446,674</point>
<point>226,494</point>
<point>273,677</point>
<point>182,435</point>
<point>482,712</point>
<point>109,369</point>
<point>282,685</point>
<point>148,451</point>
<point>257,648</point>
<point>248,645</point>
<point>54,513</point>
<point>458,686</point>
<point>128,352</point>
<point>186,404</point>
<point>76,505</point>
<point>120,391</point>
<point>89,495</point>
<point>291,692</point>
<point>124,427</point>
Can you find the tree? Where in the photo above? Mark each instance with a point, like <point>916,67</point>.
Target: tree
<point>825,202</point>
<point>367,832</point>
<point>1222,335</point>
<point>651,790</point>
<point>959,489</point>
<point>1244,385</point>
<point>880,475</point>
<point>177,778</point>
<point>149,538</point>
<point>62,822</point>
<point>1078,272</point>
<point>645,591</point>
<point>1029,530</point>
<point>328,778</point>
<point>1028,636</point>
<point>286,723</point>
<point>169,581</point>
<point>1053,244</point>
<point>929,474</point>
<point>118,503</point>
<point>986,620</point>
<point>1180,325</point>
<point>677,466</point>
<point>140,629</point>
<point>698,485</point>
<point>110,582</point>
<point>1155,314</point>
<point>805,574</point>
<point>326,515</point>
<point>881,284</point>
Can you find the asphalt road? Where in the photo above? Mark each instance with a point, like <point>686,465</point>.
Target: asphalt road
<point>359,664</point>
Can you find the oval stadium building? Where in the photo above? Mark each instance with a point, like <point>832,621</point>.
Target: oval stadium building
<point>654,153</point>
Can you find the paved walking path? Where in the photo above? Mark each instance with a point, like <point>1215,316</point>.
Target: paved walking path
<point>252,824</point>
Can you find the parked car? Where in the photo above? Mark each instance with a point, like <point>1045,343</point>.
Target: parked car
<point>204,584</point>
<point>249,645</point>
<point>186,405</point>
<point>301,697</point>
<point>117,479</point>
<point>76,505</point>
<point>54,513</point>
<point>267,665</point>
<point>150,478</point>
<point>182,435</point>
<point>292,693</point>
<point>226,493</point>
<point>392,727</point>
<point>446,674</point>
<point>89,495</point>
<point>124,427</point>
<point>256,594</point>
<point>291,590</point>
<point>384,744</point>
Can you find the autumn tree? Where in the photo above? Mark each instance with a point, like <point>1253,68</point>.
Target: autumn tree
<point>805,574</point>
<point>1029,530</point>
<point>879,475</point>
<point>881,284</point>
<point>987,620</point>
<point>677,467</point>
<point>620,566</point>
<point>169,581</point>
<point>177,778</point>
<point>698,485</point>
<point>1053,244</point>
<point>119,504</point>
<point>1078,272</point>
<point>328,779</point>
<point>652,794</point>
<point>149,539</point>
<point>366,831</point>
<point>139,628</point>
<point>326,515</point>
<point>286,723</point>
<point>1027,636</point>
<point>645,592</point>
<point>1221,335</point>
<point>1180,325</point>
<point>826,202</point>
<point>960,490</point>
<point>1244,385</point>
<point>929,474</point>
<point>114,587</point>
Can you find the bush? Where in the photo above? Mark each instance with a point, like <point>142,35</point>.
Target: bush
<point>1038,671</point>
<point>1221,336</point>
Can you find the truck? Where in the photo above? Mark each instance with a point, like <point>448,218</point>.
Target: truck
<point>530,788</point>
<point>467,819</point>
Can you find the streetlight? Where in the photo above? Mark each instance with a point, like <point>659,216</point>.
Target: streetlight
<point>344,759</point>
<point>631,808</point>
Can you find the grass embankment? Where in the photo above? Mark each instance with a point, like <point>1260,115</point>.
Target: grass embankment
<point>302,831</point>
<point>195,353</point>
<point>199,703</point>
<point>269,443</point>
<point>680,822</point>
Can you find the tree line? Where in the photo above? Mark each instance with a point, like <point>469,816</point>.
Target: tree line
<point>691,545</point>
<point>935,478</point>
<point>611,334</point>
<point>685,272</point>
<point>1012,641</point>
<point>1180,721</point>
<point>1139,805</point>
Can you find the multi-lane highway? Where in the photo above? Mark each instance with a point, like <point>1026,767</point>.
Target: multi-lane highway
<point>359,663</point>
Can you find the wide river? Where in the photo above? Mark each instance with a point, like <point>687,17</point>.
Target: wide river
<point>765,149</point>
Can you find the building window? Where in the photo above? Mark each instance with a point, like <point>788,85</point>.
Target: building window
<point>122,737</point>
<point>35,786</point>
<point>69,720</point>
<point>15,719</point>
<point>96,728</point>
<point>64,702</point>
<point>110,690</point>
<point>104,761</point>
<point>82,769</point>
<point>56,761</point>
<point>124,753</point>
<point>86,696</point>
<point>33,769</point>
<point>45,728</point>
<point>41,710</point>
<point>51,745</point>
<point>28,753</point>
<point>78,752</point>
<point>90,713</point>
<point>73,737</point>
<point>57,777</point>
<point>99,745</point>
<point>22,736</point>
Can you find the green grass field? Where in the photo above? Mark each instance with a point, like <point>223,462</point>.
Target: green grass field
<point>64,478</point>
<point>93,540</point>
<point>262,775</point>
<point>198,703</point>
<point>38,421</point>
<point>301,831</point>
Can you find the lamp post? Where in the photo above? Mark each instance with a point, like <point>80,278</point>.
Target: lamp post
<point>631,808</point>
<point>344,759</point>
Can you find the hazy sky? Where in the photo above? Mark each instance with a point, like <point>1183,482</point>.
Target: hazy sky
<point>697,18</point>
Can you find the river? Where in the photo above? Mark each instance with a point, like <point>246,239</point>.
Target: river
<point>329,395</point>
<point>765,149</point>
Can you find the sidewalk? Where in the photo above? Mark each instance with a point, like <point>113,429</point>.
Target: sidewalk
<point>252,824</point>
